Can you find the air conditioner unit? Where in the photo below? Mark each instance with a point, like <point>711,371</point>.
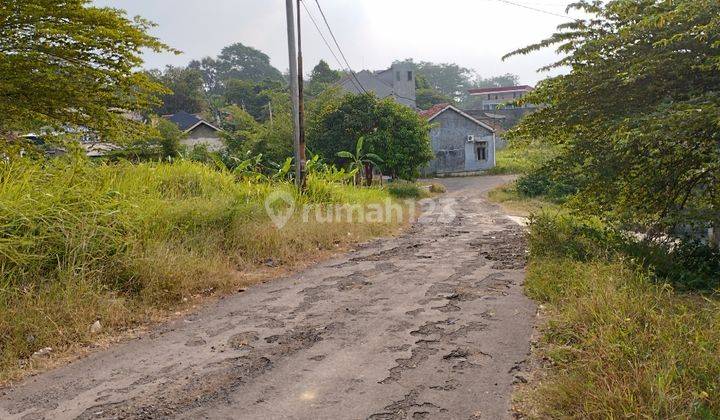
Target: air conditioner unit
<point>470,138</point>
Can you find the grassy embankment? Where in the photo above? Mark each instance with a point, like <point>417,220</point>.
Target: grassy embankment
<point>629,330</point>
<point>123,244</point>
<point>518,161</point>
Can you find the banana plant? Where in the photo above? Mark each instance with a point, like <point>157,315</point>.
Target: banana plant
<point>360,161</point>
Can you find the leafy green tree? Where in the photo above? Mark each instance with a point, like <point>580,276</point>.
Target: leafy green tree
<point>209,71</point>
<point>638,116</point>
<point>321,77</point>
<point>253,97</point>
<point>507,79</point>
<point>186,86</point>
<point>68,62</point>
<point>322,73</point>
<point>426,95</point>
<point>236,61</point>
<point>271,139</point>
<point>395,133</point>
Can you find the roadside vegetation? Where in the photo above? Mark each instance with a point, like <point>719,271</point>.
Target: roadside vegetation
<point>621,258</point>
<point>630,330</point>
<point>89,248</point>
<point>519,159</point>
<point>119,243</point>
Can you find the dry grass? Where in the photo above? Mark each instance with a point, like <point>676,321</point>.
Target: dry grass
<point>516,205</point>
<point>125,244</point>
<point>616,344</point>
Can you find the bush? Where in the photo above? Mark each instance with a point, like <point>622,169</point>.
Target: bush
<point>396,133</point>
<point>405,189</point>
<point>542,182</point>
<point>687,265</point>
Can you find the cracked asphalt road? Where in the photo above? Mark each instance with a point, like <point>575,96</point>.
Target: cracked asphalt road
<point>430,324</point>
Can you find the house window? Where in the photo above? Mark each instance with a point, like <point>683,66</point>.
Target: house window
<point>409,76</point>
<point>481,150</point>
<point>488,96</point>
<point>397,76</point>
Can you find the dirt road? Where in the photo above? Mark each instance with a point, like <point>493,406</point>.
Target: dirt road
<point>431,324</point>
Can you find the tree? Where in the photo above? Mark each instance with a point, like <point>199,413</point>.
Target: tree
<point>236,61</point>
<point>271,139</point>
<point>321,77</point>
<point>426,96</point>
<point>69,63</point>
<point>395,133</point>
<point>253,97</point>
<point>209,71</point>
<point>186,90</point>
<point>507,79</point>
<point>322,73</point>
<point>638,116</point>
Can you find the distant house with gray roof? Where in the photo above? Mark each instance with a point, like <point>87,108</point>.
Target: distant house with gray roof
<point>197,131</point>
<point>462,144</point>
<point>397,82</point>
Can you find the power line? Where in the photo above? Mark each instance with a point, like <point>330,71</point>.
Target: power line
<point>525,6</point>
<point>327,44</point>
<point>338,45</point>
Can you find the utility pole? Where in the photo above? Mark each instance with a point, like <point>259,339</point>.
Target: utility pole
<point>301,101</point>
<point>294,91</point>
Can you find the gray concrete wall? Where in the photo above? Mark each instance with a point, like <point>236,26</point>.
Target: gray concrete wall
<point>453,153</point>
<point>386,84</point>
<point>203,134</point>
<point>404,88</point>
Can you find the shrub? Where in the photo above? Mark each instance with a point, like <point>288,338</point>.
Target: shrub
<point>686,264</point>
<point>542,182</point>
<point>405,189</point>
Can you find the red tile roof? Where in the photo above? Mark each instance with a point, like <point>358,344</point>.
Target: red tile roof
<point>523,88</point>
<point>433,111</point>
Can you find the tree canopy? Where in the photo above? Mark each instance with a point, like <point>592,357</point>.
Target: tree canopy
<point>507,79</point>
<point>638,116</point>
<point>426,96</point>
<point>321,77</point>
<point>67,62</point>
<point>236,61</point>
<point>395,133</point>
<point>186,90</point>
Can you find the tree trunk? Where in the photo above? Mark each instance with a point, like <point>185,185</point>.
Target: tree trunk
<point>368,174</point>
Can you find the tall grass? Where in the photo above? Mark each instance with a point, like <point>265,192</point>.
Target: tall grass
<point>620,341</point>
<point>81,242</point>
<point>522,159</point>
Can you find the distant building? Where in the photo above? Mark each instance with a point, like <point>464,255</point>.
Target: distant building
<point>462,144</point>
<point>197,131</point>
<point>488,99</point>
<point>397,82</point>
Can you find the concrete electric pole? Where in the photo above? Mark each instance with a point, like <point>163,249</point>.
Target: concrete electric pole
<point>295,94</point>
<point>301,100</point>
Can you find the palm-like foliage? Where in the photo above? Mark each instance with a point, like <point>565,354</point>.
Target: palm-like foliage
<point>360,160</point>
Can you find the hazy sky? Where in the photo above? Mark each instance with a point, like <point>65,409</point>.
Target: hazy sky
<point>372,33</point>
